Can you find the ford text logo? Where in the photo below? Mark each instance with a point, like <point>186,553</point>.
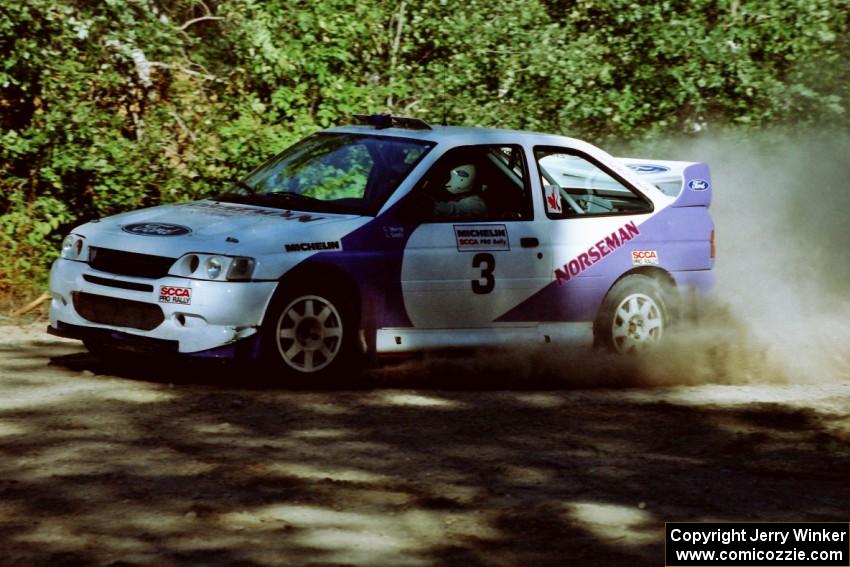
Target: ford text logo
<point>648,168</point>
<point>698,185</point>
<point>156,229</point>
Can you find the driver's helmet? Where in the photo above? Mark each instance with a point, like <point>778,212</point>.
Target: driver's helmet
<point>461,179</point>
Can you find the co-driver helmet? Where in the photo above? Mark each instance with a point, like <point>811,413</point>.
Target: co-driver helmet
<point>461,179</point>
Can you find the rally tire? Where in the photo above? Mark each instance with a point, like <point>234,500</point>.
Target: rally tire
<point>635,315</point>
<point>310,337</point>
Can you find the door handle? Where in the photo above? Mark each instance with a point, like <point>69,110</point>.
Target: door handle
<point>529,242</point>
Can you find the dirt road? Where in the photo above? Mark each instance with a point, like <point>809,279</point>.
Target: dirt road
<point>438,462</point>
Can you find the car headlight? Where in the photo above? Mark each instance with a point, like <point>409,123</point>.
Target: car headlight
<point>73,246</point>
<point>214,267</point>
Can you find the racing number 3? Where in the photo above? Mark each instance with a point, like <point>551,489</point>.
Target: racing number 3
<point>485,282</point>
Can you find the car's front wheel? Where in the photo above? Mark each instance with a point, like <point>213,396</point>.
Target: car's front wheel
<point>634,316</point>
<point>310,336</point>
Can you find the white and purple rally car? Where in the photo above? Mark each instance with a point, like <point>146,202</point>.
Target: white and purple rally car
<point>393,236</point>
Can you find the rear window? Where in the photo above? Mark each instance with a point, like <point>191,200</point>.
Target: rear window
<point>575,185</point>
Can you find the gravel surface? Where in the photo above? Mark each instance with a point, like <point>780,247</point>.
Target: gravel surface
<point>496,459</point>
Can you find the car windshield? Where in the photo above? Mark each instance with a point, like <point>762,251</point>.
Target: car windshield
<point>344,173</point>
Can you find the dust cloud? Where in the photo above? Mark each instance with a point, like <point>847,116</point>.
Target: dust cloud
<point>781,209</point>
<point>781,309</point>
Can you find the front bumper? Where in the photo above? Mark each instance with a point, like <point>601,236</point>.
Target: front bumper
<point>218,314</point>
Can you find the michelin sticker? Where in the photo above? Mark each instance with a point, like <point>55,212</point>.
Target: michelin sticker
<point>172,294</point>
<point>313,246</point>
<point>698,185</point>
<point>481,237</point>
<point>644,258</point>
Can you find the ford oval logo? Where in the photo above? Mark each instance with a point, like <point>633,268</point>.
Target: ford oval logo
<point>156,229</point>
<point>698,185</point>
<point>648,168</point>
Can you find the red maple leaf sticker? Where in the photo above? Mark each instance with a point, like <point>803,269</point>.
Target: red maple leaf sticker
<point>554,203</point>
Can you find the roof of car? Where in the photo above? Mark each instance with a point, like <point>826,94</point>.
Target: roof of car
<point>456,134</point>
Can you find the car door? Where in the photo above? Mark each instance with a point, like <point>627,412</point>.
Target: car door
<point>463,268</point>
<point>595,215</point>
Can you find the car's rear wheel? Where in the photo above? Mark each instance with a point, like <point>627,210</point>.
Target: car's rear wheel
<point>634,316</point>
<point>310,336</point>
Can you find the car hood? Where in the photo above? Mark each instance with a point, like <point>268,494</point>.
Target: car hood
<point>215,227</point>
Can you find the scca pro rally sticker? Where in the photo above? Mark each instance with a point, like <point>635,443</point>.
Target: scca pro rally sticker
<point>644,258</point>
<point>171,294</point>
<point>481,237</point>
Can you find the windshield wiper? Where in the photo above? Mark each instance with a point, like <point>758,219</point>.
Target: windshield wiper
<point>242,185</point>
<point>291,195</point>
<point>238,182</point>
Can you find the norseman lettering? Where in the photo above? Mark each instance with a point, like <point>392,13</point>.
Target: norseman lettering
<point>596,252</point>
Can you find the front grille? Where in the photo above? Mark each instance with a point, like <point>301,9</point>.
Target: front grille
<point>118,283</point>
<point>129,263</point>
<point>117,312</point>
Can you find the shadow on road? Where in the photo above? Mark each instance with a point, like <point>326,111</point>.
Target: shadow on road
<point>200,465</point>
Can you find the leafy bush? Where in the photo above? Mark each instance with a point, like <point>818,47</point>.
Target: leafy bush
<point>108,106</point>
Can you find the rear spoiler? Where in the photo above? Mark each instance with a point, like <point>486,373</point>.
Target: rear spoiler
<point>689,181</point>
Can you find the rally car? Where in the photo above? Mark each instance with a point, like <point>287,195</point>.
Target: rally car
<point>392,236</point>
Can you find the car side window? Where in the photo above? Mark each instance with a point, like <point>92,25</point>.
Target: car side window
<point>574,186</point>
<point>478,183</point>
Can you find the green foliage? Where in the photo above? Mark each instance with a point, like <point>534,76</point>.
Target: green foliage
<point>26,228</point>
<point>113,105</point>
